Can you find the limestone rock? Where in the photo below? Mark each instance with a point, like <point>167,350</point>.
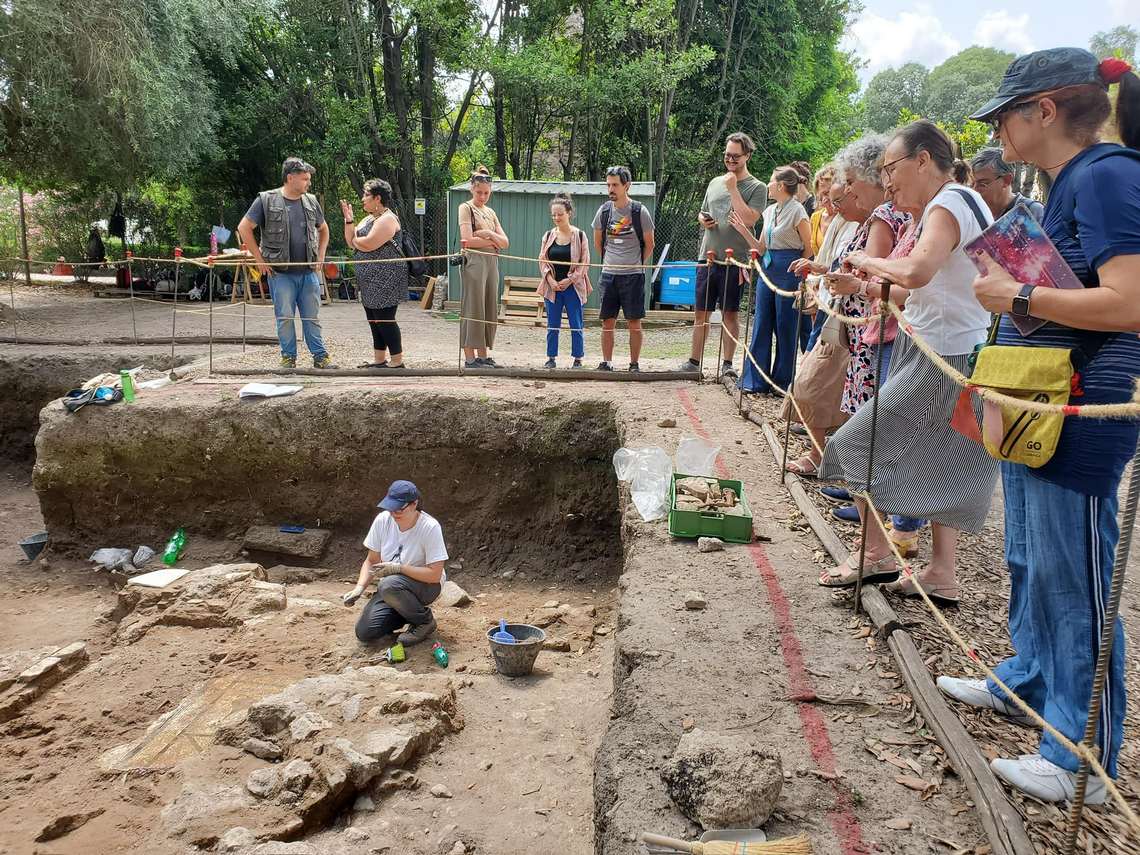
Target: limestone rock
<point>355,835</point>
<point>452,596</point>
<point>667,423</point>
<point>695,600</point>
<point>236,838</point>
<point>263,783</point>
<point>296,775</point>
<point>262,749</point>
<point>306,546</point>
<point>722,781</point>
<point>709,544</point>
<point>440,791</point>
<point>289,575</point>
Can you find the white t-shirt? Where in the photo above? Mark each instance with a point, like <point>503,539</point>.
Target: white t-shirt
<point>945,311</point>
<point>419,546</point>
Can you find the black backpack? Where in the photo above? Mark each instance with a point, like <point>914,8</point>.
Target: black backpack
<point>634,214</point>
<point>417,267</point>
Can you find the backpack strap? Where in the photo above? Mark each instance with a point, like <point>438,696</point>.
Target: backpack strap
<point>607,210</point>
<point>635,215</point>
<point>978,215</point>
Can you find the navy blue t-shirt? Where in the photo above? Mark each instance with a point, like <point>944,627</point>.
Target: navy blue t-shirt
<point>1093,215</point>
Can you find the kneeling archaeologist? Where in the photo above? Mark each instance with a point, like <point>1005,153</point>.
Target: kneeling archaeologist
<point>406,550</point>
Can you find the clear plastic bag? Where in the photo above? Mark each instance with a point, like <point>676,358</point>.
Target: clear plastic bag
<point>649,472</point>
<point>696,456</point>
<point>113,559</point>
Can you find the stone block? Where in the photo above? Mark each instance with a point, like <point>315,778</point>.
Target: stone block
<point>308,545</point>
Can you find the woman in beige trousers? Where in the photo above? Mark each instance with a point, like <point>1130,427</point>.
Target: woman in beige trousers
<point>480,228</point>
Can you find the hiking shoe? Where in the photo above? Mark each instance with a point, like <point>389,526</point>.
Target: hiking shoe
<point>577,363</point>
<point>1044,780</point>
<point>634,367</point>
<point>977,693</point>
<point>846,513</point>
<point>487,362</point>
<point>472,363</point>
<point>605,366</point>
<point>688,365</point>
<point>323,361</point>
<point>550,363</point>
<point>835,494</point>
<point>417,633</point>
<point>288,361</point>
<point>726,370</point>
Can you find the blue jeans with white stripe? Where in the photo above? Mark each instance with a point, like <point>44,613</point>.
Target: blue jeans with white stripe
<point>1059,546</point>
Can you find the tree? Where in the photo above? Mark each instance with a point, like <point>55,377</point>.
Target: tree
<point>893,90</point>
<point>964,82</point>
<point>1119,42</point>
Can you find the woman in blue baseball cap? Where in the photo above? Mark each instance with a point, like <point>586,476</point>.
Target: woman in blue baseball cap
<point>1060,519</point>
<point>405,547</point>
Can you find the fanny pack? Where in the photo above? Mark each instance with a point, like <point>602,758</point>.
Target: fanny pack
<point>1046,375</point>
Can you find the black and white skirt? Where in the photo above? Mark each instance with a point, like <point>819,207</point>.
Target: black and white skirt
<point>923,467</point>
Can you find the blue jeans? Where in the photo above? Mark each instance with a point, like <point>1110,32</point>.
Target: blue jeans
<point>774,315</point>
<point>572,303</point>
<point>298,290</point>
<point>1059,546</point>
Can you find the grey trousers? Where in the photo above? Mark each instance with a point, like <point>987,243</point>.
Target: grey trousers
<point>397,601</point>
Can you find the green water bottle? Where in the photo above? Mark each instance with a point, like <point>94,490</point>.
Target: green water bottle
<point>128,384</point>
<point>439,655</point>
<point>174,548</point>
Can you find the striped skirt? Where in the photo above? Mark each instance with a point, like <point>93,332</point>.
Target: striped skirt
<point>923,467</point>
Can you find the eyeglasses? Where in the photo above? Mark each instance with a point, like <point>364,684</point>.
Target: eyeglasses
<point>733,158</point>
<point>983,184</point>
<point>996,122</point>
<point>886,169</point>
<point>837,200</point>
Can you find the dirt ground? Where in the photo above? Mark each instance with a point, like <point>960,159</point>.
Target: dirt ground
<point>769,630</point>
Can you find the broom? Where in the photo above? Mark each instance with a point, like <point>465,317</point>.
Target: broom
<point>799,845</point>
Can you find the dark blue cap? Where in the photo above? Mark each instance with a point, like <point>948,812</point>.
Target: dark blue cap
<point>400,494</point>
<point>1042,71</point>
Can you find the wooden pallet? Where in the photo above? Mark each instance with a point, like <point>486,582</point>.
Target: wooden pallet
<point>521,302</point>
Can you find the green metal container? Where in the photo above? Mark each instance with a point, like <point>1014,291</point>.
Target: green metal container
<point>523,207</point>
<point>728,527</point>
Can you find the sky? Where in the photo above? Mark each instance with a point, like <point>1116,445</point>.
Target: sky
<point>890,33</point>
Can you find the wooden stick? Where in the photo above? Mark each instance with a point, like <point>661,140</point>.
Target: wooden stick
<point>661,840</point>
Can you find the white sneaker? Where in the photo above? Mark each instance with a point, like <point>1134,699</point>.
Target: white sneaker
<point>1033,774</point>
<point>977,694</point>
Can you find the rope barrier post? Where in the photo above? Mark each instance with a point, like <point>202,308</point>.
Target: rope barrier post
<point>12,297</point>
<point>24,245</point>
<point>792,385</point>
<point>174,307</point>
<point>884,304</point>
<point>746,342</point>
<point>462,255</point>
<point>720,337</point>
<point>1104,656</point>
<point>210,281</point>
<point>131,293</point>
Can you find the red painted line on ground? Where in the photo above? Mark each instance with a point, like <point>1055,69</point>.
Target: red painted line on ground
<point>843,820</point>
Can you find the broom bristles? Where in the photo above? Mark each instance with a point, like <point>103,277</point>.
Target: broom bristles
<point>799,845</point>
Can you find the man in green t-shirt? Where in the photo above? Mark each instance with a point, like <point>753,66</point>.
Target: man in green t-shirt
<point>717,284</point>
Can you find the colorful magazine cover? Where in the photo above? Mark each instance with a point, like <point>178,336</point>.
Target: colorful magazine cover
<point>1019,245</point>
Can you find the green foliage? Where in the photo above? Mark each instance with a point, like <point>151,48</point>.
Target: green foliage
<point>1120,42</point>
<point>964,82</point>
<point>892,91</point>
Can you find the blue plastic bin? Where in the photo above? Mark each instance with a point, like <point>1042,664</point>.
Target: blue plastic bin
<point>679,283</point>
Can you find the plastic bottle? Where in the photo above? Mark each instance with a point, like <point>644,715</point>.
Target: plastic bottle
<point>128,385</point>
<point>174,548</point>
<point>439,655</point>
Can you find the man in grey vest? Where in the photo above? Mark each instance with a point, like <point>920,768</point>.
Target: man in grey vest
<point>294,237</point>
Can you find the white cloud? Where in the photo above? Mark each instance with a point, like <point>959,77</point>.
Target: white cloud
<point>914,36</point>
<point>1004,31</point>
<point>1122,9</point>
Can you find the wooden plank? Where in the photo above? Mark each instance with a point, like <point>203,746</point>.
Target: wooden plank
<point>429,292</point>
<point>1001,821</point>
<point>505,372</point>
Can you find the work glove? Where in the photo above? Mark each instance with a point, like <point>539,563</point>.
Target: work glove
<point>387,568</point>
<point>353,595</point>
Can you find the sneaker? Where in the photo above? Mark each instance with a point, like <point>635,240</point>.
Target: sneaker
<point>634,367</point>
<point>288,361</point>
<point>323,361</point>
<point>577,363</point>
<point>487,362</point>
<point>472,363</point>
<point>550,363</point>
<point>835,494</point>
<point>846,513</point>
<point>605,366</point>
<point>1044,780</point>
<point>799,430</point>
<point>689,366</point>
<point>417,633</point>
<point>726,370</point>
<point>977,693</point>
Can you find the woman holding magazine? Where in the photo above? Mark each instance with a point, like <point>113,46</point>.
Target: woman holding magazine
<point>1061,528</point>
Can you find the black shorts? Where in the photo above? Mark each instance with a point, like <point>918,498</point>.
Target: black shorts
<point>625,291</point>
<point>719,285</point>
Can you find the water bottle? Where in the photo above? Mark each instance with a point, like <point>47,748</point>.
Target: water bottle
<point>128,385</point>
<point>174,548</point>
<point>213,242</point>
<point>439,655</point>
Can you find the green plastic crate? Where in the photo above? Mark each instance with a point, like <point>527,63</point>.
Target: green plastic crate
<point>707,523</point>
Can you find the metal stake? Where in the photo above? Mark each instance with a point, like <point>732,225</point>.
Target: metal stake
<point>746,342</point>
<point>792,384</point>
<point>867,511</point>
<point>1104,656</point>
<point>131,292</point>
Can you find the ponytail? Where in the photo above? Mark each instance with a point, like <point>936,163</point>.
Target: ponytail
<point>961,172</point>
<point>1128,109</point>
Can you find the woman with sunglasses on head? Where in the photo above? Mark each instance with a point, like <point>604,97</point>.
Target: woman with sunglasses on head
<point>383,286</point>
<point>564,259</point>
<point>923,468</point>
<point>479,226</point>
<point>1060,518</point>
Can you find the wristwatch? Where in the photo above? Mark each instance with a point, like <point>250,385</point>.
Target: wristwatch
<point>1021,302</point>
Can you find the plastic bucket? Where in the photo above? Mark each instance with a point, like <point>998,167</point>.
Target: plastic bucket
<point>516,660</point>
<point>34,545</point>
